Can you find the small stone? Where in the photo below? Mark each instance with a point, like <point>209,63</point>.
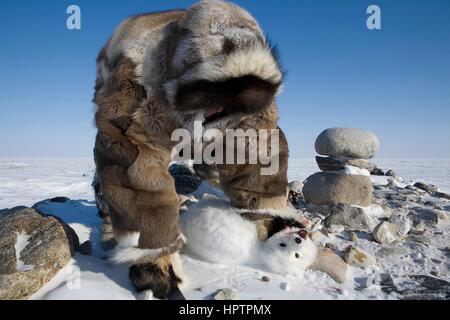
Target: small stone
<point>437,261</point>
<point>389,251</point>
<point>358,258</point>
<point>265,279</point>
<point>225,294</point>
<point>428,216</point>
<point>402,222</point>
<point>442,215</point>
<point>285,286</point>
<point>59,199</point>
<point>441,195</point>
<point>295,192</point>
<point>377,172</point>
<point>331,247</point>
<point>390,173</point>
<point>386,232</point>
<point>353,237</point>
<point>352,217</point>
<point>426,187</point>
<point>335,229</point>
<point>418,238</point>
<point>86,248</point>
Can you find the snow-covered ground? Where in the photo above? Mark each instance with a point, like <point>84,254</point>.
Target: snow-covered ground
<point>26,181</point>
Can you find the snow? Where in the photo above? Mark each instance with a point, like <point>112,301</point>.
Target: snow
<point>25,181</point>
<point>21,242</point>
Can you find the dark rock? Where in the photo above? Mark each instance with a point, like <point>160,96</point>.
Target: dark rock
<point>427,216</point>
<point>441,195</point>
<point>418,238</point>
<point>424,287</point>
<point>390,173</point>
<point>426,187</point>
<point>49,247</point>
<point>334,164</point>
<point>86,248</point>
<point>386,282</point>
<point>377,172</point>
<point>186,181</point>
<point>295,192</point>
<point>59,199</point>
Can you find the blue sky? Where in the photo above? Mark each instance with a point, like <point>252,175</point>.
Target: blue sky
<point>394,81</point>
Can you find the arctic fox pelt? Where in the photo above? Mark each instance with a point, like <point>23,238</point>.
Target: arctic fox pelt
<point>217,233</point>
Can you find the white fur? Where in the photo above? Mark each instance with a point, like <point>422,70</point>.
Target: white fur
<point>129,255</point>
<point>256,60</point>
<point>217,233</point>
<point>283,260</point>
<point>130,239</point>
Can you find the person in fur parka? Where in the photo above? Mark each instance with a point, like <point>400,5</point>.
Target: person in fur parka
<point>159,72</point>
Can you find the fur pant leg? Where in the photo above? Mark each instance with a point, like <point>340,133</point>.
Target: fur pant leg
<point>143,207</point>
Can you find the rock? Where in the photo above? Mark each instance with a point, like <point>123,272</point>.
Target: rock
<point>389,251</point>
<point>442,215</point>
<point>331,246</point>
<point>358,258</point>
<point>353,237</point>
<point>387,232</point>
<point>423,287</point>
<point>390,173</point>
<point>335,229</point>
<point>441,195</point>
<point>295,192</point>
<point>186,181</point>
<point>386,282</point>
<point>377,172</point>
<point>426,187</point>
<point>427,216</point>
<point>329,262</point>
<point>334,163</point>
<point>59,199</point>
<point>225,294</point>
<point>265,279</point>
<point>86,248</point>
<point>46,244</point>
<point>352,217</point>
<point>285,286</point>
<point>418,238</point>
<point>402,222</point>
<point>332,188</point>
<point>347,142</point>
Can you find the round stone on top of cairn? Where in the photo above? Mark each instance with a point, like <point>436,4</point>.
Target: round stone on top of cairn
<point>345,177</point>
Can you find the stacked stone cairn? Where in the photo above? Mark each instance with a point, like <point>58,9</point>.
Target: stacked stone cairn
<point>345,176</point>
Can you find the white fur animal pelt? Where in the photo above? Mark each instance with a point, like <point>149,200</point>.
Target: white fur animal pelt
<point>217,233</point>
